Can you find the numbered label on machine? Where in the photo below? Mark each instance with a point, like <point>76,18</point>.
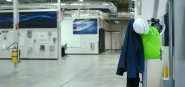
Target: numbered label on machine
<point>51,47</point>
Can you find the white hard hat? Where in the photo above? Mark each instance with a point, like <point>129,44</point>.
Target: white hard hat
<point>140,25</point>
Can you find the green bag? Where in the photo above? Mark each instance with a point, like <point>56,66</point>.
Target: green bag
<point>151,44</point>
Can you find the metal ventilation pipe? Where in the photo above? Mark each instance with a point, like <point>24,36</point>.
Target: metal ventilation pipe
<point>74,5</point>
<point>99,13</point>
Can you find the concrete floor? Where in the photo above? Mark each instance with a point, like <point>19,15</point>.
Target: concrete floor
<point>74,71</point>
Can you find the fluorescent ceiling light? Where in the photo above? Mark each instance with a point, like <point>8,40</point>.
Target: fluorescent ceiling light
<point>63,4</point>
<point>9,0</point>
<point>80,0</point>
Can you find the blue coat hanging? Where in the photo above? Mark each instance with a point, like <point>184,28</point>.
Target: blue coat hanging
<point>132,55</point>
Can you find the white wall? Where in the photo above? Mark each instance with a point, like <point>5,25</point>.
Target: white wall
<point>179,41</point>
<point>103,24</point>
<point>116,27</point>
<point>148,9</point>
<point>85,40</point>
<point>155,67</point>
<point>29,42</point>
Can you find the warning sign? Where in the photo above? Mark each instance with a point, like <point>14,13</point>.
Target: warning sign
<point>17,26</point>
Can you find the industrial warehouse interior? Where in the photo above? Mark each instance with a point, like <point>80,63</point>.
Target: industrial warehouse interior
<point>92,43</point>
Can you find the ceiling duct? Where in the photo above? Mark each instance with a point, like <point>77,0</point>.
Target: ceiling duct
<point>98,13</point>
<point>112,15</point>
<point>73,5</point>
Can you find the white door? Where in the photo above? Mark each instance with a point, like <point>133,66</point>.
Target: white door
<point>108,40</point>
<point>116,40</point>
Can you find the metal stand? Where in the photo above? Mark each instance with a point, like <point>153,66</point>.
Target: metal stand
<point>116,47</point>
<point>144,78</point>
<point>59,29</point>
<point>169,82</point>
<point>144,74</point>
<point>16,32</point>
<point>170,41</point>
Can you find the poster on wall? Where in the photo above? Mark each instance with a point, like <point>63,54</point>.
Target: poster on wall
<point>38,20</point>
<point>30,20</point>
<point>85,26</point>
<point>21,41</point>
<point>6,20</point>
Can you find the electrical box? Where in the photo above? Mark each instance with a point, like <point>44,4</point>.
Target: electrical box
<point>4,47</point>
<point>167,82</point>
<point>51,47</point>
<point>29,49</point>
<point>92,45</point>
<point>54,40</point>
<point>35,41</point>
<point>4,37</point>
<point>29,33</point>
<point>49,33</point>
<point>42,48</point>
<point>5,31</point>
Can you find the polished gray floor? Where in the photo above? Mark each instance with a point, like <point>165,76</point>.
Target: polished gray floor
<point>74,71</point>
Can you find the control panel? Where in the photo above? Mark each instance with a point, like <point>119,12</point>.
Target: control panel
<point>29,49</point>
<point>51,47</point>
<point>54,40</point>
<point>5,31</point>
<point>4,37</point>
<point>29,33</point>
<point>49,33</point>
<point>34,40</point>
<point>42,48</point>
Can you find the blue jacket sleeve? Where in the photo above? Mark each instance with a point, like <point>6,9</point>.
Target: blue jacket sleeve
<point>124,49</point>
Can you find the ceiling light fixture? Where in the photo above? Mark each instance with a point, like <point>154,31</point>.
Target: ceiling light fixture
<point>9,0</point>
<point>81,0</point>
<point>117,22</point>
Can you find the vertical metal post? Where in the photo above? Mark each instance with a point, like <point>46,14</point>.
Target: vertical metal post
<point>130,5</point>
<point>111,39</point>
<point>59,29</point>
<point>144,75</point>
<point>135,6</point>
<point>156,5</point>
<point>16,32</point>
<point>170,40</point>
<point>78,12</point>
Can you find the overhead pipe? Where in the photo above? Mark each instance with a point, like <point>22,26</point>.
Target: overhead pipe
<point>74,5</point>
<point>100,13</point>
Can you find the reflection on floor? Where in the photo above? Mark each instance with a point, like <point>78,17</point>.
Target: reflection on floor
<point>74,71</point>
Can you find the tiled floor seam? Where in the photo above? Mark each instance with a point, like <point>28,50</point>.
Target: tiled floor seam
<point>77,75</point>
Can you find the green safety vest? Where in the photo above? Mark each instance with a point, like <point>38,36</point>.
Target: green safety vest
<point>151,44</point>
